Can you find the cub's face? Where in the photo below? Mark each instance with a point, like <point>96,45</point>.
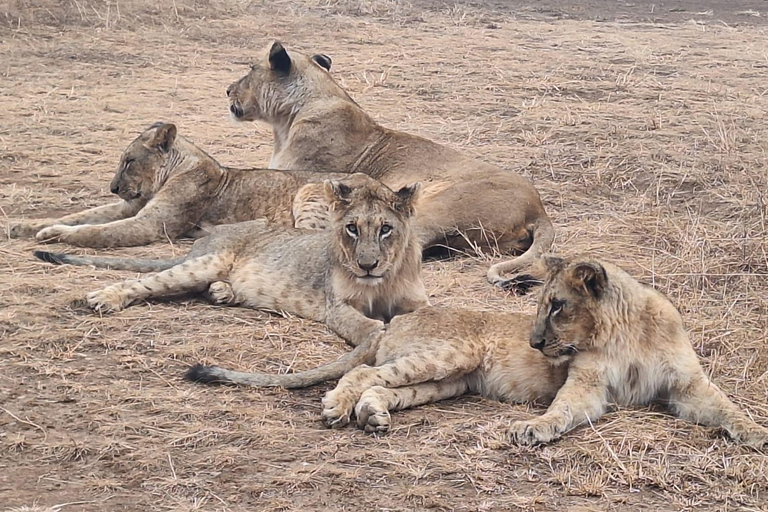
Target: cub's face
<point>277,83</point>
<point>141,162</point>
<point>371,224</point>
<point>566,317</point>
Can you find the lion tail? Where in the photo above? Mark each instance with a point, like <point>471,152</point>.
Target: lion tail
<point>136,265</point>
<point>363,353</point>
<point>543,234</point>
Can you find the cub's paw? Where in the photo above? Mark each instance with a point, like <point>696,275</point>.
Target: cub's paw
<point>532,432</point>
<point>221,293</point>
<point>336,410</point>
<point>105,301</point>
<point>24,230</point>
<point>54,233</point>
<point>752,435</point>
<point>372,414</point>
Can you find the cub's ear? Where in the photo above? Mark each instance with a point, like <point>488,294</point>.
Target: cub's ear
<point>278,58</point>
<point>164,137</point>
<point>552,264</point>
<point>590,277</point>
<point>337,192</point>
<point>323,60</point>
<point>406,197</point>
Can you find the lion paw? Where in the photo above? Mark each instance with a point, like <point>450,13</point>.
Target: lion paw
<point>221,292</point>
<point>752,435</point>
<point>24,230</point>
<point>532,432</point>
<point>518,285</point>
<point>105,301</point>
<point>372,415</point>
<point>54,233</point>
<point>336,411</point>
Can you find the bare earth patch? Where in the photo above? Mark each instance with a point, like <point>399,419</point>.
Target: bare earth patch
<point>646,137</point>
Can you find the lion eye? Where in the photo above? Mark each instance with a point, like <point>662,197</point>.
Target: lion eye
<point>556,307</point>
<point>352,229</point>
<point>386,229</point>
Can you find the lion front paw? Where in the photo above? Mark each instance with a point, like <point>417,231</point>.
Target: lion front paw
<point>532,432</point>
<point>55,233</point>
<point>22,230</point>
<point>752,435</point>
<point>221,293</point>
<point>105,301</point>
<point>372,414</point>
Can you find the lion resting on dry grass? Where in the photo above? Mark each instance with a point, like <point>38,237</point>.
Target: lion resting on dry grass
<point>354,276</point>
<point>466,203</point>
<point>600,337</point>
<point>171,188</point>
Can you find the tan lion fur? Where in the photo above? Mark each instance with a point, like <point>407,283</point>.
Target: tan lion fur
<point>467,203</point>
<point>170,188</point>
<point>354,276</point>
<point>601,338</point>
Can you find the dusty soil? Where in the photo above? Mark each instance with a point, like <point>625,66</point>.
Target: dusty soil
<point>646,136</point>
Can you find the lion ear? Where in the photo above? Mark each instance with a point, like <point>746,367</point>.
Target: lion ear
<point>164,137</point>
<point>337,192</point>
<point>278,58</point>
<point>552,264</point>
<point>406,197</point>
<point>323,60</point>
<point>590,277</point>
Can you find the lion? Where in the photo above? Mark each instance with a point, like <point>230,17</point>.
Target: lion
<point>354,277</point>
<point>467,204</point>
<point>599,338</point>
<point>170,188</point>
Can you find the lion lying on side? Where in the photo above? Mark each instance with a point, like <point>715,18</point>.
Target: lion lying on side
<point>171,188</point>
<point>600,337</point>
<point>466,203</point>
<point>354,276</point>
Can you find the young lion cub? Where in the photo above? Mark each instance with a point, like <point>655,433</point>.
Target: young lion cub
<point>600,337</point>
<point>354,277</point>
<point>171,188</point>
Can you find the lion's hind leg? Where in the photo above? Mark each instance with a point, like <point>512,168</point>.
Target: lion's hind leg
<point>191,276</point>
<point>373,408</point>
<point>415,368</point>
<point>702,402</point>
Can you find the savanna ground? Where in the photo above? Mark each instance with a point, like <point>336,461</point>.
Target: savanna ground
<point>643,126</point>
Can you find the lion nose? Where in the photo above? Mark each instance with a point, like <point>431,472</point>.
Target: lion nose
<point>368,265</point>
<point>114,189</point>
<point>538,344</point>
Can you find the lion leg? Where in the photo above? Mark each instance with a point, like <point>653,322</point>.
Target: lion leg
<point>191,276</point>
<point>582,398</point>
<point>98,215</point>
<point>372,410</point>
<point>415,368</point>
<point>702,402</point>
<point>221,293</point>
<point>350,324</point>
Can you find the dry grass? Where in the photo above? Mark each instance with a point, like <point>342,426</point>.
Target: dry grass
<point>646,141</point>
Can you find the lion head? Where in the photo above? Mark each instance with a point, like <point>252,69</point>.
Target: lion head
<point>138,174</point>
<point>570,307</point>
<point>372,228</point>
<point>278,84</point>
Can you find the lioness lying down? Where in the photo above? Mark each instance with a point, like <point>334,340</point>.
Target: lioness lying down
<point>600,337</point>
<point>171,188</point>
<point>354,277</point>
<point>316,125</point>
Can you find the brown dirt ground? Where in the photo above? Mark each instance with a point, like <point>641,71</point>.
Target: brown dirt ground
<point>647,141</point>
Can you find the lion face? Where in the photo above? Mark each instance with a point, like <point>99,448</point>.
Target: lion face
<point>566,317</point>
<point>372,229</point>
<point>137,175</point>
<point>277,85</point>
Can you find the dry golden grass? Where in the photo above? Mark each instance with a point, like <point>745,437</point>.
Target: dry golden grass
<point>647,142</point>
